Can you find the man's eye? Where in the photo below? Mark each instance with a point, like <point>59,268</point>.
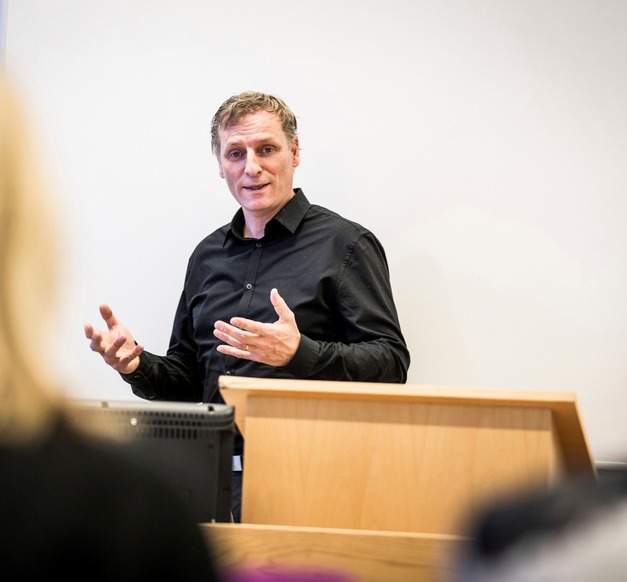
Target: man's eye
<point>267,149</point>
<point>234,154</point>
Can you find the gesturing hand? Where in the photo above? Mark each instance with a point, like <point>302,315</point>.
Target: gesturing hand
<point>116,345</point>
<point>268,343</point>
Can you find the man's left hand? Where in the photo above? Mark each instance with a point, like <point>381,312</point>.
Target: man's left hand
<point>273,344</point>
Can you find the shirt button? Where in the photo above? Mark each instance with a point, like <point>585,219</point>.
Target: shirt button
<point>258,245</point>
<point>249,286</point>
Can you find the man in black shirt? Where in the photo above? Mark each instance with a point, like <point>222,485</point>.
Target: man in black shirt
<point>288,289</point>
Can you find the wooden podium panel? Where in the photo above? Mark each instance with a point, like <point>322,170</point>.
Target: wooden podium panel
<point>393,457</point>
<point>367,556</point>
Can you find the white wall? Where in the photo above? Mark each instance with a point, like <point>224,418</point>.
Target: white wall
<point>483,141</point>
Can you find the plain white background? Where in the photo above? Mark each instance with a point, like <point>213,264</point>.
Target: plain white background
<point>484,142</point>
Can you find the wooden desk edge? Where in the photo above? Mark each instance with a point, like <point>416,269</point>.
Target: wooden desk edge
<point>366,555</point>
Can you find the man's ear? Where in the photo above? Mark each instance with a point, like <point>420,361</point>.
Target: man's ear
<point>220,170</point>
<point>295,152</point>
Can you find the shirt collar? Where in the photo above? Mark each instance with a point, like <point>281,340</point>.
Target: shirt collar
<point>289,217</point>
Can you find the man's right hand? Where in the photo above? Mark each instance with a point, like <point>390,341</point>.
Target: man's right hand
<point>116,345</point>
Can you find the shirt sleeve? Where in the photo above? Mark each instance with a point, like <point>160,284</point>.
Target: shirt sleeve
<point>375,349</point>
<point>165,378</point>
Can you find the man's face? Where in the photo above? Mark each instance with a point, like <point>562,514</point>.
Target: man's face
<point>257,161</point>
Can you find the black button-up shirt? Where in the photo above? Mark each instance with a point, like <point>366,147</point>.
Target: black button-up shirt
<point>331,272</point>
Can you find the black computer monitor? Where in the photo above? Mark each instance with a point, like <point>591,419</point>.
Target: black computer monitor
<point>190,445</point>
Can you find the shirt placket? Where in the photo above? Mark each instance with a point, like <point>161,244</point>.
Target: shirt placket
<point>250,280</point>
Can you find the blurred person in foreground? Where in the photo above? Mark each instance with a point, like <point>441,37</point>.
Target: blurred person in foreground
<point>71,505</point>
<point>287,289</point>
<point>576,531</point>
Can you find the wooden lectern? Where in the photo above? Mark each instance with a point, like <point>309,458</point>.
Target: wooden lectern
<point>395,458</point>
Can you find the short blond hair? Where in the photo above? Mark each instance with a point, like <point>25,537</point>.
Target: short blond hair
<point>28,250</point>
<point>239,106</point>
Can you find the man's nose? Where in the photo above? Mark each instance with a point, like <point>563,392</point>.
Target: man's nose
<point>253,167</point>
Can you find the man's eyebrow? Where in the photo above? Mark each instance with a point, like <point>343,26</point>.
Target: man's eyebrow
<point>268,138</point>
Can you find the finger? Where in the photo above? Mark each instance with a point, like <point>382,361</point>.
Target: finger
<point>236,352</point>
<point>96,342</point>
<point>89,330</point>
<point>240,324</point>
<point>136,352</point>
<point>107,314</point>
<point>111,352</point>
<point>224,331</point>
<point>240,329</point>
<point>240,340</point>
<point>224,336</point>
<point>105,311</point>
<point>281,308</point>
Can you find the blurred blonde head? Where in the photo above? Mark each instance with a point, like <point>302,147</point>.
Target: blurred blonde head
<point>29,402</point>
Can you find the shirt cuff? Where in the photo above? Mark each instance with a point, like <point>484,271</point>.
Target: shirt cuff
<point>139,383</point>
<point>304,360</point>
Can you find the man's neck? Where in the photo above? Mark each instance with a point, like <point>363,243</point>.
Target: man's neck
<point>254,227</point>
<point>255,224</point>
